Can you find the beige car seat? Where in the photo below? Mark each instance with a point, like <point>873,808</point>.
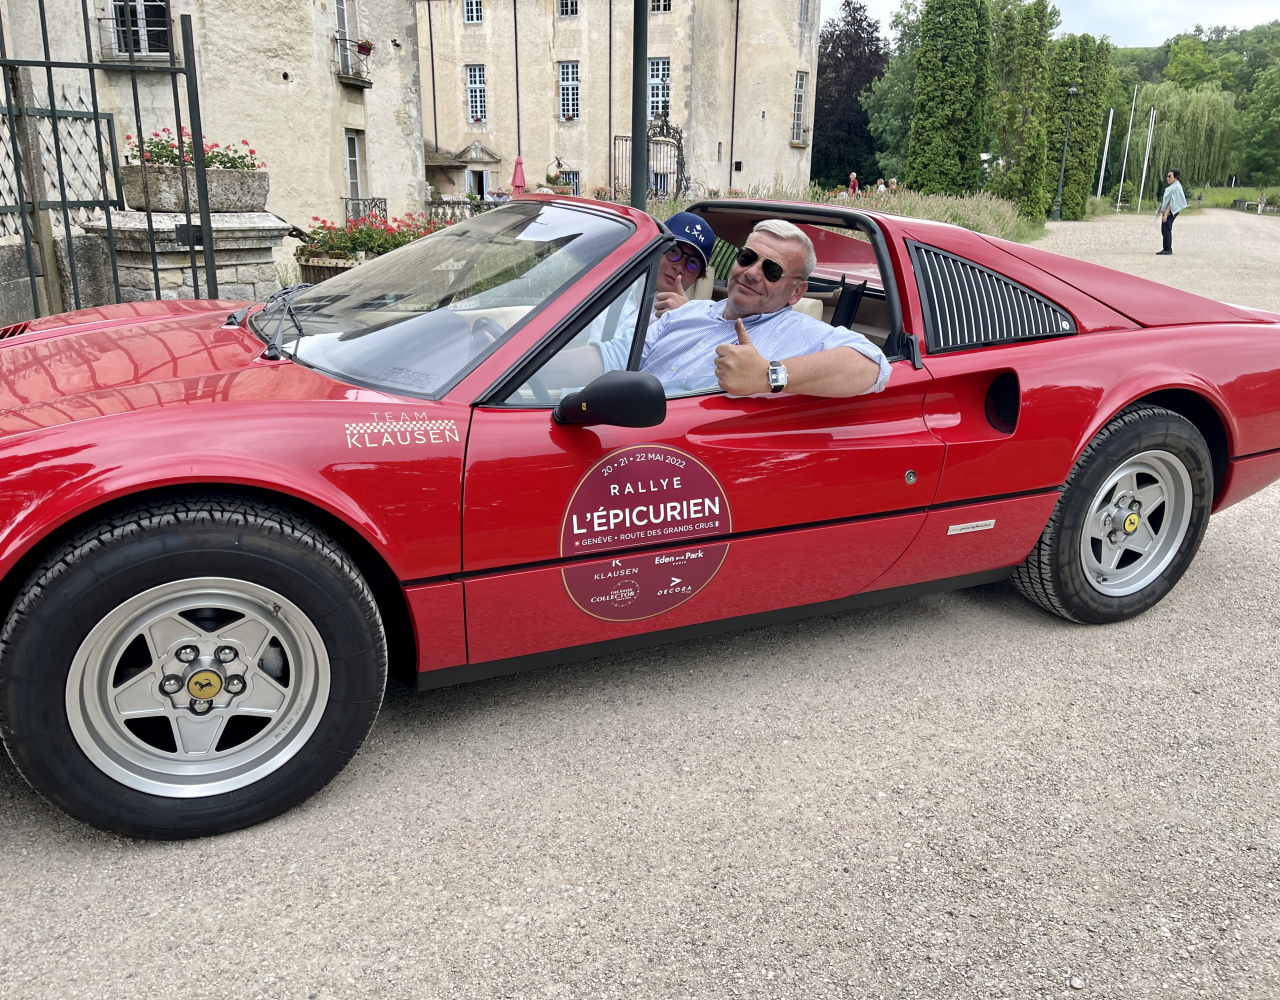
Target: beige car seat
<point>810,307</point>
<point>703,286</point>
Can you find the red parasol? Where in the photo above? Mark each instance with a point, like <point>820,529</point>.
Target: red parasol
<point>517,177</point>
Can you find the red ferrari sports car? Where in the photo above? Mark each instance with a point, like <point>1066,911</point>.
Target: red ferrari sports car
<point>219,534</point>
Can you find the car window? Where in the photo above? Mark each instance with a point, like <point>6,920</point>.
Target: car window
<point>582,358</point>
<point>414,319</point>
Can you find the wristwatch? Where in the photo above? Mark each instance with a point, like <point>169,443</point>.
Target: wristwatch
<point>777,376</point>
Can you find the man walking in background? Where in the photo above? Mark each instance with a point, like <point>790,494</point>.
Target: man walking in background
<point>1175,200</point>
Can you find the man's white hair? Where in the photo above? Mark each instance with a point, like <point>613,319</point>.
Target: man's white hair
<point>786,231</point>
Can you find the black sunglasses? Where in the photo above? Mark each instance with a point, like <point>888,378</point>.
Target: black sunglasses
<point>773,271</point>
<point>692,263</point>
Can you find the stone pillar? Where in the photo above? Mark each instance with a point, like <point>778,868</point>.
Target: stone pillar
<point>242,245</point>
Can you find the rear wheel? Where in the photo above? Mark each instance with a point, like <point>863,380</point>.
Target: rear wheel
<point>189,668</point>
<point>1129,520</point>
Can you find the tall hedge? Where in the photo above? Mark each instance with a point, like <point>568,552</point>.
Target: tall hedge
<point>948,122</point>
<point>1083,62</point>
<point>1019,75</point>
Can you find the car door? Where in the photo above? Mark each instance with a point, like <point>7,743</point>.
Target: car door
<point>732,506</point>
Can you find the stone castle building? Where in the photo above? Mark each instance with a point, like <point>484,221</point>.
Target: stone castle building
<point>550,81</point>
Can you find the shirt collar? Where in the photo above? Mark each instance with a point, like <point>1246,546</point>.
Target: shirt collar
<point>749,320</point>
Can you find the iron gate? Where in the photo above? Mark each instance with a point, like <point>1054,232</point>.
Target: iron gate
<point>60,159</point>
<point>667,177</point>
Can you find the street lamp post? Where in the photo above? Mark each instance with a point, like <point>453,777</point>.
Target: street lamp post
<point>1062,171</point>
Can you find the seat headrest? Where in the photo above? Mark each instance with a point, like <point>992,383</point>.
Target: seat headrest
<point>810,307</point>
<point>703,286</point>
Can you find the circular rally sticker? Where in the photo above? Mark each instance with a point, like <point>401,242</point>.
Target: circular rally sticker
<point>645,494</point>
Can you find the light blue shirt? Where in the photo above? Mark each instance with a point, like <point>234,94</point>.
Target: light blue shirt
<point>680,347</point>
<point>1174,198</point>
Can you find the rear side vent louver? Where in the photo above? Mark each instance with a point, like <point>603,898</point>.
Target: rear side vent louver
<point>13,331</point>
<point>969,306</point>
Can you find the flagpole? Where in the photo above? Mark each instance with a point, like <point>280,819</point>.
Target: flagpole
<point>1151,128</point>
<point>1106,148</point>
<point>1125,162</point>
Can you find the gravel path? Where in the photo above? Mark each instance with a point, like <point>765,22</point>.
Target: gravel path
<point>959,796</point>
<point>1227,255</point>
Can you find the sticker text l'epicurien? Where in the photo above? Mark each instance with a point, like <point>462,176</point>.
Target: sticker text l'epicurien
<point>385,431</point>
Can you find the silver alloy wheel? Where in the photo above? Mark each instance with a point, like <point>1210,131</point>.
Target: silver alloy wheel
<point>254,682</point>
<point>1136,523</point>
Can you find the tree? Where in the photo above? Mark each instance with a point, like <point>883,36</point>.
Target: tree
<point>851,55</point>
<point>891,99</point>
<point>1189,64</point>
<point>1082,62</point>
<point>1196,131</point>
<point>1019,73</point>
<point>948,121</point>
<point>1260,129</point>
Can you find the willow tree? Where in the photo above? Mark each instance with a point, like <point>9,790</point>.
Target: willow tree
<point>1082,62</point>
<point>1019,72</point>
<point>948,121</point>
<point>1195,132</point>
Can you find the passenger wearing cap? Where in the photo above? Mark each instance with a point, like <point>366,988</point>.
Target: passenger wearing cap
<point>752,341</point>
<point>679,269</point>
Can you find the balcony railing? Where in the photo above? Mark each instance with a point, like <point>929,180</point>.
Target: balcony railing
<point>350,65</point>
<point>799,135</point>
<point>370,208</point>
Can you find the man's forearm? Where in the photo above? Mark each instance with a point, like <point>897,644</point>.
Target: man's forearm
<point>837,372</point>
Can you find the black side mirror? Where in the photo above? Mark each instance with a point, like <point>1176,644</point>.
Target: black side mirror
<point>623,399</point>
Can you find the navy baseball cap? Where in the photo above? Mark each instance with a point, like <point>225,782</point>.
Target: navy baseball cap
<point>688,228</point>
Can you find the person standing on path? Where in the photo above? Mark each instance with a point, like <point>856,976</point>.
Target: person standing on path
<point>853,184</point>
<point>1175,200</point>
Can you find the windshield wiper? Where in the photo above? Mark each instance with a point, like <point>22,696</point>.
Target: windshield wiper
<point>283,297</point>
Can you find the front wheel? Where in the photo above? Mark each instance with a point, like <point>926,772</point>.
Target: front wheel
<point>1128,523</point>
<point>189,668</point>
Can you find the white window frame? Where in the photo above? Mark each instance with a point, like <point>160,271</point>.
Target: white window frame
<point>568,8</point>
<point>472,11</point>
<point>571,178</point>
<point>659,87</point>
<point>353,148</point>
<point>804,11</point>
<point>798,106</point>
<point>569,81</point>
<point>659,6</point>
<point>120,47</point>
<point>477,94</point>
<point>344,13</point>
<point>484,182</point>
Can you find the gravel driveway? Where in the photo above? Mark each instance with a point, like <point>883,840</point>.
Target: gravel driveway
<point>959,796</point>
<point>1224,254</point>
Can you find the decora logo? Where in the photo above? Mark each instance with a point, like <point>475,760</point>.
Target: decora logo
<point>385,431</point>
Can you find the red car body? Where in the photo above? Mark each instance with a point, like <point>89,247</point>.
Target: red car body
<point>455,511</point>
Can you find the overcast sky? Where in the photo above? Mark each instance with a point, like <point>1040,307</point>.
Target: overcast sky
<point>1136,22</point>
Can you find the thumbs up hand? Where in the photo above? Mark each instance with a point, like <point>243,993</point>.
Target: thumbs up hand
<point>740,368</point>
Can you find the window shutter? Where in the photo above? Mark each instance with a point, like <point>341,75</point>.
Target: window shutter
<point>967,305</point>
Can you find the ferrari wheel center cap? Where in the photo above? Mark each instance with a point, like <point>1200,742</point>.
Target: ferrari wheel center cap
<point>1131,522</point>
<point>204,684</point>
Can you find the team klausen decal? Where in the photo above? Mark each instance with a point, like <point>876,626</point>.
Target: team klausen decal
<point>643,495</point>
<point>385,431</point>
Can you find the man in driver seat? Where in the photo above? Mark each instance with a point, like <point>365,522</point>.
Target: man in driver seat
<point>753,341</point>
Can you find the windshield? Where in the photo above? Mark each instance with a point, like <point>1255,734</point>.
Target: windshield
<point>411,320</point>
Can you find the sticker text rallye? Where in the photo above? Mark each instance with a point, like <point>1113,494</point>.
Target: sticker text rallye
<point>643,495</point>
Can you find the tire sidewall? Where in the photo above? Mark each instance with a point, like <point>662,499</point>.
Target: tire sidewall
<point>1162,430</point>
<point>66,601</point>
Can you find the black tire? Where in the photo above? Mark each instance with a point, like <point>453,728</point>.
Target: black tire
<point>161,544</point>
<point>1055,576</point>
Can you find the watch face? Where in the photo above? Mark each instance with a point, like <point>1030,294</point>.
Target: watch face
<point>777,375</point>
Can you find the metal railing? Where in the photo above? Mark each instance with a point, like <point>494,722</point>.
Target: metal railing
<point>350,65</point>
<point>365,208</point>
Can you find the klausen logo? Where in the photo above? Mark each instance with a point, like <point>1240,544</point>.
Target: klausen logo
<point>385,431</point>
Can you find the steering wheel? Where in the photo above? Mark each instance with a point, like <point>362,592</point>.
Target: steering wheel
<point>485,331</point>
<point>539,390</point>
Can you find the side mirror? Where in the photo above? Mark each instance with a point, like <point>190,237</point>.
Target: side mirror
<point>623,399</point>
